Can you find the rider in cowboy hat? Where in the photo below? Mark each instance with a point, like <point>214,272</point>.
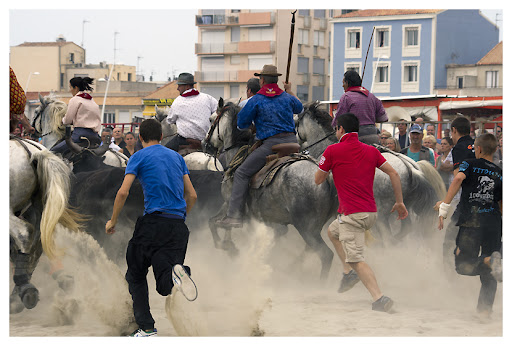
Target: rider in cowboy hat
<point>271,110</point>
<point>190,112</point>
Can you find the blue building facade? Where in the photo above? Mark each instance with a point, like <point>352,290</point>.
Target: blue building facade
<point>409,50</point>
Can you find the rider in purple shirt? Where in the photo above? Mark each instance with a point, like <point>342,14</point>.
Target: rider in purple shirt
<point>366,107</point>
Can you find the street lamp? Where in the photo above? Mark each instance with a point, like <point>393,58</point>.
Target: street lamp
<point>28,80</point>
<point>109,77</point>
<point>376,68</point>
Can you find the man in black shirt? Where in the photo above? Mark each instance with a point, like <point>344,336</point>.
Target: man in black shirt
<point>479,220</point>
<point>463,150</point>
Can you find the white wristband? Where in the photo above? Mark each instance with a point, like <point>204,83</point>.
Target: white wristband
<point>443,210</point>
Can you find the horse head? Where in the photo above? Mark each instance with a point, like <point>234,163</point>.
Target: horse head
<point>48,119</point>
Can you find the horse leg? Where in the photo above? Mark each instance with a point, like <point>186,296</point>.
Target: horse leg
<point>313,238</point>
<point>226,243</point>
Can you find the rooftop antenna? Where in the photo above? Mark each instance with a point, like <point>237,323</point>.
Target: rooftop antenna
<point>83,29</point>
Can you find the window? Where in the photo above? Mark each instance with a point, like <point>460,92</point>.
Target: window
<point>318,93</point>
<point>319,13</point>
<point>303,36</point>
<point>257,61</point>
<point>303,93</point>
<point>212,64</point>
<point>491,79</point>
<point>235,11</point>
<point>129,77</point>
<point>382,74</point>
<point>318,66</point>
<point>354,67</point>
<point>234,91</point>
<point>354,39</point>
<point>318,38</point>
<point>302,65</point>
<point>304,12</point>
<point>62,80</point>
<point>261,34</point>
<point>215,91</point>
<point>411,37</point>
<point>235,59</point>
<point>411,73</point>
<point>212,36</point>
<point>410,76</point>
<point>382,37</point>
<point>460,82</point>
<point>72,58</point>
<point>109,118</point>
<point>235,34</point>
<point>125,117</point>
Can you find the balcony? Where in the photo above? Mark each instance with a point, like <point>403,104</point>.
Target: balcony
<point>323,23</point>
<point>217,48</point>
<point>257,47</point>
<point>257,18</point>
<point>217,76</point>
<point>319,79</point>
<point>306,78</point>
<point>210,19</point>
<point>307,22</point>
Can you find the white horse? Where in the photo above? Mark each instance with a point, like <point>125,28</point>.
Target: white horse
<point>48,124</point>
<point>292,198</point>
<point>422,186</point>
<point>195,160</point>
<point>39,186</point>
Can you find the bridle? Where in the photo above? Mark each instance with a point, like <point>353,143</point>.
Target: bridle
<point>39,111</point>
<point>305,150</point>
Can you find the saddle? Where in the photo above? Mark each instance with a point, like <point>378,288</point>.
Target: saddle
<point>193,146</point>
<point>285,154</point>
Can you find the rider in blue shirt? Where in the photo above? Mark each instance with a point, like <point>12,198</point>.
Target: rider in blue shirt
<point>271,110</point>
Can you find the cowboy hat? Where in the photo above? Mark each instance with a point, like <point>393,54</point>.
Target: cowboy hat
<point>268,70</point>
<point>186,79</point>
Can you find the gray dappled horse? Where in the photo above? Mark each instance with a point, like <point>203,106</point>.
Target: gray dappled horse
<point>292,198</point>
<point>422,186</point>
<point>48,124</point>
<point>195,160</point>
<point>39,184</point>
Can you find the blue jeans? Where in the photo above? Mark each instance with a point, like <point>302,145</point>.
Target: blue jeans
<point>75,137</point>
<point>252,164</point>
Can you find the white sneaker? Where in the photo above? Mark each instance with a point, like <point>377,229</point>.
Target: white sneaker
<point>184,282</point>
<point>144,333</point>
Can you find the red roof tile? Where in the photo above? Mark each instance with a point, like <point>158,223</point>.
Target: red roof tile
<point>494,56</point>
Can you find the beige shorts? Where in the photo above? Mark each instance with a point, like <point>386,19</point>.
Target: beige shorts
<point>350,232</point>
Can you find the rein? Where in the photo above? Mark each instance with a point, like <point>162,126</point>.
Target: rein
<point>305,150</point>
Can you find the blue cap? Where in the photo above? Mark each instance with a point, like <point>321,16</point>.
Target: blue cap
<point>416,128</point>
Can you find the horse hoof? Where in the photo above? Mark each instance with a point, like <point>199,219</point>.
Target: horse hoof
<point>15,304</point>
<point>65,281</point>
<point>29,295</point>
<point>230,247</point>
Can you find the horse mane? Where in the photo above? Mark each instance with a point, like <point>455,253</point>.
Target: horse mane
<point>239,137</point>
<point>321,116</point>
<point>56,111</point>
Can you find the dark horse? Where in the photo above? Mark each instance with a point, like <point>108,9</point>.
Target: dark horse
<point>292,198</point>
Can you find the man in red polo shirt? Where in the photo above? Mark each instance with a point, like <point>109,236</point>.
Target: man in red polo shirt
<point>353,164</point>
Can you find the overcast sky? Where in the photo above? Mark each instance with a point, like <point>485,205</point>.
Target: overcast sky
<point>163,38</point>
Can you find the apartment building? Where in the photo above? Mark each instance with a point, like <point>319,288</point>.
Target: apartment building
<point>48,66</point>
<point>410,49</point>
<point>234,44</point>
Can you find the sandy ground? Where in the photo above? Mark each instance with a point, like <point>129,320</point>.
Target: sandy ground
<point>271,289</point>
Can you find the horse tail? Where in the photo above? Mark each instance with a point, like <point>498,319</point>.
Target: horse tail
<point>433,177</point>
<point>54,181</point>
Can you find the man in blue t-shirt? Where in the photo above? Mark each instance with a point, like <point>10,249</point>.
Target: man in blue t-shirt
<point>160,238</point>
<point>271,110</point>
<point>416,150</point>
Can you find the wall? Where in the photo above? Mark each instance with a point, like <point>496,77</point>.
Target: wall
<point>44,60</point>
<point>463,37</point>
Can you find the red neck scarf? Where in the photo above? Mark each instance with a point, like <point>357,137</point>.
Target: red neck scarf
<point>270,90</point>
<point>85,96</point>
<point>190,92</point>
<point>360,89</point>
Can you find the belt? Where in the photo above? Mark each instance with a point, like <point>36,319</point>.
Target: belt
<point>282,134</point>
<point>167,215</point>
<point>369,125</point>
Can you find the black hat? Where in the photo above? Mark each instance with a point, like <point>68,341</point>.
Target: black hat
<point>186,79</point>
